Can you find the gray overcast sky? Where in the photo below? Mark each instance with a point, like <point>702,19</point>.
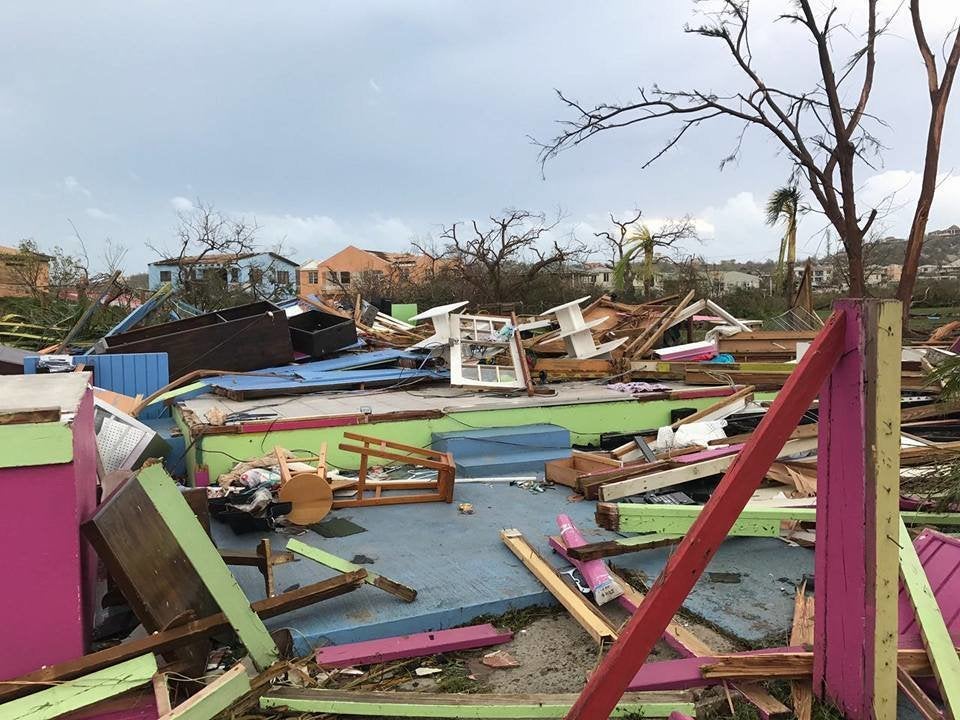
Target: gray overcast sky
<point>372,122</point>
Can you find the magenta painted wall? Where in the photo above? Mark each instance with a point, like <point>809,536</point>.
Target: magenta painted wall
<point>48,571</point>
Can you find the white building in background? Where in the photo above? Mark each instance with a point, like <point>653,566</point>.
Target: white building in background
<point>726,280</point>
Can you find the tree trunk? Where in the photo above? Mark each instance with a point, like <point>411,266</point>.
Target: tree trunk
<point>791,257</point>
<point>928,188</point>
<point>647,271</point>
<point>858,287</point>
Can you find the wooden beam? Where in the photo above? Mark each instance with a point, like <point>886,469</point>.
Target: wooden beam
<point>203,555</point>
<point>586,614</point>
<point>214,698</point>
<point>180,635</point>
<point>444,705</point>
<point>621,546</point>
<point>921,701</point>
<point>82,692</point>
<point>751,522</point>
<point>858,481</point>
<point>801,633</point>
<point>403,592</point>
<point>688,563</point>
<point>689,472</point>
<point>933,629</point>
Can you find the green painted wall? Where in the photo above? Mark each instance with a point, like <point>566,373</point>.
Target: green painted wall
<point>585,421</point>
<point>30,444</point>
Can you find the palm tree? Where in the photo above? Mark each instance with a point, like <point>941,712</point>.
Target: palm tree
<point>641,240</point>
<point>784,205</point>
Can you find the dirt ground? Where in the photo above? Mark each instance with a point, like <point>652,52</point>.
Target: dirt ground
<point>555,655</point>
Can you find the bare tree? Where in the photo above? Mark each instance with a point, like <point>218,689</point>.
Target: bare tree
<point>498,260</point>
<point>619,242</point>
<point>825,137</point>
<point>208,249</point>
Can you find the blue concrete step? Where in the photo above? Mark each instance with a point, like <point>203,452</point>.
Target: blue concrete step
<point>502,451</point>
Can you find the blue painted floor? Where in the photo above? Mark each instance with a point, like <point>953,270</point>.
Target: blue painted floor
<point>461,569</point>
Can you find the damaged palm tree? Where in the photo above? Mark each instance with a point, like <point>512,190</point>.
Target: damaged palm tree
<point>784,206</point>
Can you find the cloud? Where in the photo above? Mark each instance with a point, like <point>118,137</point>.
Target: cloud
<point>181,203</point>
<point>894,194</point>
<point>73,187</point>
<point>374,86</point>
<point>315,237</point>
<point>98,214</point>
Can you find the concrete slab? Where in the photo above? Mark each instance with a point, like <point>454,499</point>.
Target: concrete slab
<point>462,570</point>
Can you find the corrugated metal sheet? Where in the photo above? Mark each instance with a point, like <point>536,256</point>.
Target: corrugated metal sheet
<point>940,557</point>
<point>130,374</point>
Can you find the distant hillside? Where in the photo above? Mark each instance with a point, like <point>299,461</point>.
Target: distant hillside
<point>939,248</point>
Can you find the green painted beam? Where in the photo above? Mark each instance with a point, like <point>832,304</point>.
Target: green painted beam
<point>31,444</point>
<point>936,636</point>
<point>82,692</point>
<point>423,705</point>
<point>677,519</point>
<point>215,697</point>
<point>206,560</point>
<point>339,564</point>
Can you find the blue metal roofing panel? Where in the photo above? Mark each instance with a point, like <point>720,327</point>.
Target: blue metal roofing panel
<point>131,374</point>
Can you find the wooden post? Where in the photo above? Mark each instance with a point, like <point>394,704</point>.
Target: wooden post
<point>690,559</point>
<point>858,480</point>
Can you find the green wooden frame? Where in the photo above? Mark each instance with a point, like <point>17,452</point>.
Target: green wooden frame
<point>936,636</point>
<point>82,692</point>
<point>206,560</point>
<point>423,705</point>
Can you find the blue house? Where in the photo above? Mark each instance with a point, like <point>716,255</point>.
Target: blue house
<point>273,275</point>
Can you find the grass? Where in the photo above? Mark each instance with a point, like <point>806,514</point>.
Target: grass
<point>516,619</point>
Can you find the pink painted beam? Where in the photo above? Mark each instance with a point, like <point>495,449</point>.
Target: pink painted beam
<point>371,652</point>
<point>676,715</point>
<point>604,587</point>
<point>856,558</point>
<point>688,562</point>
<point>686,673</point>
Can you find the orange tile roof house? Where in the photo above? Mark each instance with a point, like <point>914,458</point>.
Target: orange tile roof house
<point>340,271</point>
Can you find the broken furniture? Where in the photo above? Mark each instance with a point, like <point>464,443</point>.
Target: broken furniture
<point>124,442</point>
<point>48,472</point>
<point>440,316</point>
<point>372,492</point>
<point>577,334</point>
<point>246,337</point>
<point>168,568</point>
<point>475,341</point>
<point>317,333</point>
<point>569,471</point>
<point>309,493</point>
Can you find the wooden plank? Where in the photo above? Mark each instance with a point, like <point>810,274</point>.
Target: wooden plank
<point>214,698</point>
<point>719,409</point>
<point>621,546</point>
<point>936,636</point>
<point>688,473</point>
<point>403,592</point>
<point>921,701</point>
<point>790,664</point>
<point>166,640</point>
<point>590,619</point>
<point>431,705</point>
<point>213,572</point>
<point>801,633</point>
<point>752,521</point>
<point>650,338</point>
<point>858,481</point>
<point>691,557</point>
<point>370,652</point>
<point>82,692</point>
